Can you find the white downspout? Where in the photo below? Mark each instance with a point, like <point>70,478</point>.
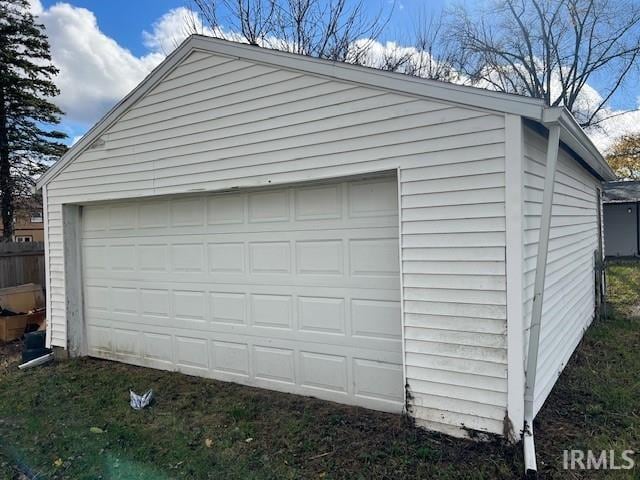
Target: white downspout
<point>538,293</point>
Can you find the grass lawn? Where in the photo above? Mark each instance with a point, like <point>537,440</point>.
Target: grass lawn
<point>201,428</point>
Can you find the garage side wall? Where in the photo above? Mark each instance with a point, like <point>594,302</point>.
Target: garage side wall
<point>569,294</point>
<point>216,123</point>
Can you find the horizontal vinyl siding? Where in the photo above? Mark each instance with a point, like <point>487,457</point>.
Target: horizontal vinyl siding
<point>569,296</point>
<point>454,291</point>
<point>217,123</point>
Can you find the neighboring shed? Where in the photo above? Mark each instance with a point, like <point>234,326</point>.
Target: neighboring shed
<point>621,219</point>
<point>329,230</point>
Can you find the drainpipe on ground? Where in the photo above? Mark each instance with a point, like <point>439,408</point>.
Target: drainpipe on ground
<point>553,145</point>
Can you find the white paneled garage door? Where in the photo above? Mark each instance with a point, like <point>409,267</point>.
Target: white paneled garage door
<point>293,289</point>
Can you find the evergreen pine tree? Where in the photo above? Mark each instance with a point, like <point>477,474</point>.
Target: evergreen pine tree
<point>27,143</point>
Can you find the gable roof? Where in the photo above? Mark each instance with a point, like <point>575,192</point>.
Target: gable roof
<point>533,109</point>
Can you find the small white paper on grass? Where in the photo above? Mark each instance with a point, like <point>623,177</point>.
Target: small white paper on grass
<point>138,402</point>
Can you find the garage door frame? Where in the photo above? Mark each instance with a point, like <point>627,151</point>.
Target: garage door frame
<point>72,226</point>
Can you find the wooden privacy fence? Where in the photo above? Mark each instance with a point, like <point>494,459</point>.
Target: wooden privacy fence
<point>21,263</point>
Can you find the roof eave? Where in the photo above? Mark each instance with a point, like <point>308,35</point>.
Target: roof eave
<point>572,135</point>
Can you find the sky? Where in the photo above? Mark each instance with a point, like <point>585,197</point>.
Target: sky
<point>103,49</point>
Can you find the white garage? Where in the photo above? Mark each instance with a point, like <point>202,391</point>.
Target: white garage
<point>330,230</point>
<point>294,289</point>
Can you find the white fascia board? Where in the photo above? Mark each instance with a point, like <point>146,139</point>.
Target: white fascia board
<point>575,137</point>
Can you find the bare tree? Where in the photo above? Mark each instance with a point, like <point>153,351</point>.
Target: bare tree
<point>334,29</point>
<point>436,54</point>
<point>551,49</point>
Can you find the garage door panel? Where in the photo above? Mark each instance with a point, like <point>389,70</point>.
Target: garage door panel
<point>152,258</point>
<point>375,257</point>
<point>294,231</point>
<point>334,338</point>
<point>382,350</point>
<point>295,289</point>
<point>344,290</point>
<point>255,229</point>
<point>152,282</point>
<point>121,258</point>
<point>271,311</point>
<point>374,318</point>
<point>269,257</point>
<point>96,258</point>
<point>269,207</point>
<point>123,217</point>
<point>273,364</point>
<point>258,283</point>
<point>328,373</point>
<point>153,214</point>
<point>105,334</point>
<point>374,198</point>
<point>230,358</point>
<point>99,339</point>
<point>95,219</point>
<point>124,300</point>
<point>228,307</point>
<point>322,315</point>
<point>158,347</point>
<point>320,257</point>
<point>191,354</point>
<point>155,302</point>
<point>126,342</point>
<point>187,257</point>
<point>187,212</point>
<point>226,209</point>
<point>326,320</point>
<point>325,372</point>
<point>227,257</point>
<point>377,380</point>
<point>318,203</point>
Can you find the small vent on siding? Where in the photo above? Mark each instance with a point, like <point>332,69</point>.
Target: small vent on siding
<point>99,143</point>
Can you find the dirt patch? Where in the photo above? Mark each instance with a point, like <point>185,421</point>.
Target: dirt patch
<point>10,356</point>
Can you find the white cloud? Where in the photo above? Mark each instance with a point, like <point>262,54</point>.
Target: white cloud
<point>171,29</point>
<point>95,71</point>
<point>615,124</point>
<point>610,123</point>
<point>36,7</point>
<point>174,26</point>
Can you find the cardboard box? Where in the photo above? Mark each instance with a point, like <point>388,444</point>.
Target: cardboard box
<point>13,326</point>
<point>26,300</point>
<point>23,298</point>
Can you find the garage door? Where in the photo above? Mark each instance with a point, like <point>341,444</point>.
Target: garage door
<point>292,289</point>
